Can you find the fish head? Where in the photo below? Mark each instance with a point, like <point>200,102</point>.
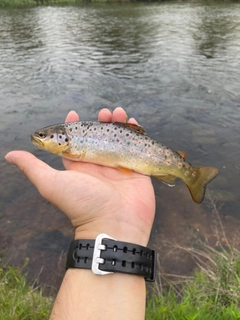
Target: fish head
<point>53,139</point>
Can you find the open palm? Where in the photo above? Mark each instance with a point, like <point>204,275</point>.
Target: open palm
<point>96,199</point>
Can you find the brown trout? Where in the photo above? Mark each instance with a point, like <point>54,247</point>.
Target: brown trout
<point>123,146</point>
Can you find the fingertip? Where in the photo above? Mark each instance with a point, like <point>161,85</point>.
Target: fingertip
<point>9,158</point>
<point>133,121</point>
<point>119,115</point>
<point>105,115</point>
<point>72,116</point>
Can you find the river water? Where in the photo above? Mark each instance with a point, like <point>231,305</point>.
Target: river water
<point>175,67</point>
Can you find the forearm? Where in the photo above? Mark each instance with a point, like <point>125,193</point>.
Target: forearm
<point>84,295</point>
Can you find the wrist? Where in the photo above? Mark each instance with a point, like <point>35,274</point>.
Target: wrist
<point>138,234</point>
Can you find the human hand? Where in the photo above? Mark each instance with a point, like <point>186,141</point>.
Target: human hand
<point>96,199</point>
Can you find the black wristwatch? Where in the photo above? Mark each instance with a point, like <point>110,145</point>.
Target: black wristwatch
<point>106,255</point>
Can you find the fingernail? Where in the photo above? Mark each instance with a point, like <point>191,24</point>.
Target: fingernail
<point>9,158</point>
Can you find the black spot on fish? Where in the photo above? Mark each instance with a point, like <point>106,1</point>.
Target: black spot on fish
<point>59,144</point>
<point>70,129</point>
<point>127,134</point>
<point>152,142</point>
<point>52,136</point>
<point>60,136</point>
<point>76,128</point>
<point>66,139</point>
<point>107,130</point>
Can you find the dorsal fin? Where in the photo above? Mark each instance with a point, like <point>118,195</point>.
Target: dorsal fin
<point>131,126</point>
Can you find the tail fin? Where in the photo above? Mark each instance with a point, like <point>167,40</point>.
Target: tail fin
<point>197,186</point>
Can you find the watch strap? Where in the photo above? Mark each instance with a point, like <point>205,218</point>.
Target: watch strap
<point>106,255</point>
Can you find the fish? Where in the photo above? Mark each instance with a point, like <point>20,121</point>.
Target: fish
<point>126,147</point>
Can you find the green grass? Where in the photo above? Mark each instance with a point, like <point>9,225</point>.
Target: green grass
<point>4,3</point>
<point>212,293</point>
<point>19,300</point>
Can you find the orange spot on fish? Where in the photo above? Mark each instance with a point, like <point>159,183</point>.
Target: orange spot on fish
<point>160,150</point>
<point>168,162</point>
<point>179,165</point>
<point>186,173</point>
<point>194,174</point>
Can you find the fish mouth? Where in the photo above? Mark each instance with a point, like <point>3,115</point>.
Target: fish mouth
<point>37,141</point>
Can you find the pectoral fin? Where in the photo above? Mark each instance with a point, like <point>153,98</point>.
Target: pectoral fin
<point>77,157</point>
<point>124,170</point>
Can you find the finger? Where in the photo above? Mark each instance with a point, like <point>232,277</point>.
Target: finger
<point>37,171</point>
<point>72,116</point>
<point>105,115</point>
<point>132,120</point>
<point>119,115</point>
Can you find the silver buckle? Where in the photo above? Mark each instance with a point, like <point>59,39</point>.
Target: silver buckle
<point>98,247</point>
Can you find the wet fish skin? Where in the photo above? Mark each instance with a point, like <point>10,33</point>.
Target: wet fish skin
<point>123,146</point>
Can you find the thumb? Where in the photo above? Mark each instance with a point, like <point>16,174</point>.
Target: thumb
<point>38,172</point>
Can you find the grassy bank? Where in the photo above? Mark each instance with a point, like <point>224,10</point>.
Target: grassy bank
<point>4,3</point>
<point>19,300</point>
<point>212,293</point>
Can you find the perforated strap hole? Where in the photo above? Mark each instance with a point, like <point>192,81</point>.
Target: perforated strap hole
<point>125,249</point>
<point>123,263</point>
<point>113,263</point>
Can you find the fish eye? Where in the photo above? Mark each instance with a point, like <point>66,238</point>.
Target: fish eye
<point>42,135</point>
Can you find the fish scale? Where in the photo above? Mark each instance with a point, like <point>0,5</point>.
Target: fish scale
<point>123,146</point>
<point>114,140</point>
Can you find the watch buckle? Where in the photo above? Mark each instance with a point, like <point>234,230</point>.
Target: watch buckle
<point>97,260</point>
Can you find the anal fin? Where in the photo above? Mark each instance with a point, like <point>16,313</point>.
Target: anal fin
<point>167,179</point>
